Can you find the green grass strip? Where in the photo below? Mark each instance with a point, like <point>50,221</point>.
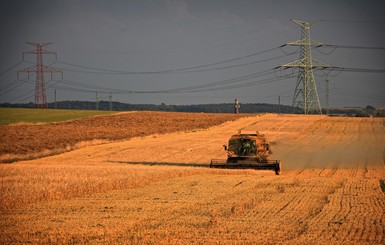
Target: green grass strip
<point>26,115</point>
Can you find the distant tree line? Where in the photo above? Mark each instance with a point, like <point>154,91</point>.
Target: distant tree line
<point>118,106</point>
<point>208,108</point>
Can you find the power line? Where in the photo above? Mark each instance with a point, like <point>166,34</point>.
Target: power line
<point>13,85</point>
<point>183,48</point>
<point>274,96</point>
<point>218,85</point>
<point>351,47</point>
<point>226,84</point>
<point>83,85</point>
<point>88,87</point>
<point>98,70</point>
<point>196,90</point>
<point>226,81</point>
<point>207,85</point>
<point>355,21</point>
<point>333,48</point>
<point>19,99</point>
<point>361,94</point>
<point>12,67</point>
<point>175,70</point>
<point>242,85</point>
<point>356,96</point>
<point>9,85</point>
<point>350,69</point>
<point>243,64</point>
<point>232,83</point>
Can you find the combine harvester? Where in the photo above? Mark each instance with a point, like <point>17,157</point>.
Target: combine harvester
<point>248,151</point>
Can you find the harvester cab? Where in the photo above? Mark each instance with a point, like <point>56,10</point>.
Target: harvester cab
<point>247,151</point>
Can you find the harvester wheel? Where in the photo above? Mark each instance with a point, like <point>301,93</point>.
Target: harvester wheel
<point>278,168</point>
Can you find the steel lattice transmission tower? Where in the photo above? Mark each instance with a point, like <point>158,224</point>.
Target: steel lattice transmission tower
<point>306,95</point>
<point>40,69</point>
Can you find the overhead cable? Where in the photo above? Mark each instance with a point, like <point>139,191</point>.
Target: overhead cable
<point>13,85</point>
<point>195,90</point>
<point>351,47</point>
<point>10,68</point>
<point>350,69</point>
<point>98,70</point>
<point>360,93</point>
<point>176,90</point>
<point>356,21</point>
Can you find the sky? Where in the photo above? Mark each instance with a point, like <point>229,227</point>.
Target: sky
<point>183,52</point>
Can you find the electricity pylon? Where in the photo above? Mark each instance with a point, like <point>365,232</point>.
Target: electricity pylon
<point>306,95</point>
<point>40,69</point>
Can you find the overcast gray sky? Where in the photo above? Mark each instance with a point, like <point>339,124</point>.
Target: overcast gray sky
<point>196,46</point>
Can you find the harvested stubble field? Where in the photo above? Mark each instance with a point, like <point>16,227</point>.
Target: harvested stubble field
<point>331,189</point>
<point>24,140</point>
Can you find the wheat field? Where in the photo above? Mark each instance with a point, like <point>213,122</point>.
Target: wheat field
<point>158,189</point>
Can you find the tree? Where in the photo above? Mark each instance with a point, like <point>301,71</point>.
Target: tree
<point>370,109</point>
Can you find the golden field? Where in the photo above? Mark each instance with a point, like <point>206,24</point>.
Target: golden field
<point>158,189</point>
<point>25,140</point>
